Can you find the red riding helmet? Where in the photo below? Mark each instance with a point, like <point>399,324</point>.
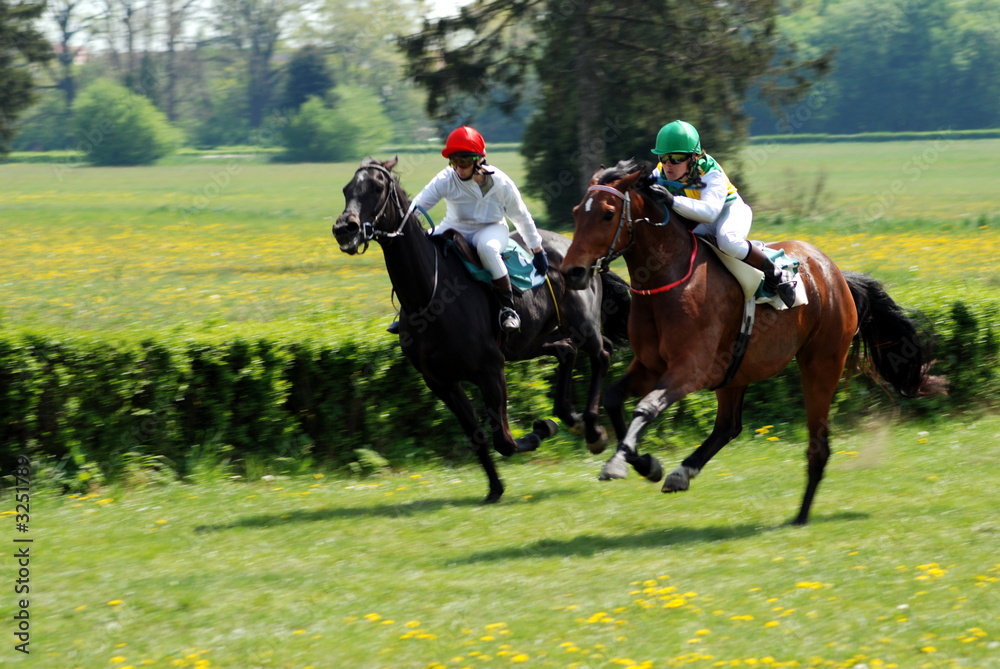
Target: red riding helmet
<point>464,140</point>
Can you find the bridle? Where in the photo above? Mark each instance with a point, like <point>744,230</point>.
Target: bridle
<point>624,221</point>
<point>370,232</point>
<point>368,229</point>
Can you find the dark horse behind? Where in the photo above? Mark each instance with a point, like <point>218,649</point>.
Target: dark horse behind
<point>448,320</point>
<point>684,327</point>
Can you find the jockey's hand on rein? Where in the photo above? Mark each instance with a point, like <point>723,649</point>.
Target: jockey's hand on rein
<point>541,262</point>
<point>663,195</point>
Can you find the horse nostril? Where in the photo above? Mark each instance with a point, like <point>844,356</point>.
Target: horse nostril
<point>346,224</point>
<point>577,277</point>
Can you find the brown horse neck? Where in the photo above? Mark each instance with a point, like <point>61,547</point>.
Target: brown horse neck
<point>661,254</point>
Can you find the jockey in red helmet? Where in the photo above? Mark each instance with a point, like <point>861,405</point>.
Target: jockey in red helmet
<point>480,199</point>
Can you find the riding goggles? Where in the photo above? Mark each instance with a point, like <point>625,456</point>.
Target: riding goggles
<point>466,160</point>
<point>674,158</point>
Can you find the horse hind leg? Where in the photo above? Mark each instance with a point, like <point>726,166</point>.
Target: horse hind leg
<point>564,352</point>
<point>728,425</point>
<point>600,361</point>
<point>455,398</point>
<point>820,377</point>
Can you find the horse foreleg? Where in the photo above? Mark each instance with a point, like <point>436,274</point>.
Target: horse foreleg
<point>649,408</point>
<point>728,425</point>
<point>454,397</point>
<point>600,361</point>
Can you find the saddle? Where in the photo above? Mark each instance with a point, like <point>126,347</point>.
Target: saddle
<point>518,261</point>
<point>751,279</point>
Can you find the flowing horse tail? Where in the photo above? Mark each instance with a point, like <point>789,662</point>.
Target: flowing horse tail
<point>615,307</point>
<point>896,348</point>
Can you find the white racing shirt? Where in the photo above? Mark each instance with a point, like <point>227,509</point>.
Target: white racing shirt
<point>469,210</point>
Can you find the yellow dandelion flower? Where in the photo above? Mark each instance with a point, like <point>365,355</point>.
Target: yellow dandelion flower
<point>520,657</point>
<point>772,623</point>
<point>114,602</point>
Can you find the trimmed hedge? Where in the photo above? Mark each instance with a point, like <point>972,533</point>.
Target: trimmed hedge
<point>90,408</point>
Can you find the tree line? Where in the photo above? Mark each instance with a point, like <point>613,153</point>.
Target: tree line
<point>579,82</point>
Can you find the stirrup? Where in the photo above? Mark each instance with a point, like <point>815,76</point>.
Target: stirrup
<point>786,293</point>
<point>509,320</point>
<point>393,327</point>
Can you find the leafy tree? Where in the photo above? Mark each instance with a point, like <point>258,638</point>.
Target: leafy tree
<point>117,127</point>
<point>611,74</point>
<point>254,27</point>
<point>20,45</point>
<point>307,74</point>
<point>321,134</point>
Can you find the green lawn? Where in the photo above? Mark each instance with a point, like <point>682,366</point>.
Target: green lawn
<point>243,244</point>
<point>899,567</point>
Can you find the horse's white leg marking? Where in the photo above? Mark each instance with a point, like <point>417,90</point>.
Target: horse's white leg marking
<point>615,468</point>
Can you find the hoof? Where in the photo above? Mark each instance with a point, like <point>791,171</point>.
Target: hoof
<point>599,446</point>
<point>615,468</point>
<point>648,467</point>
<point>679,479</point>
<point>529,442</point>
<point>576,427</point>
<point>506,449</point>
<point>493,497</point>
<point>545,428</point>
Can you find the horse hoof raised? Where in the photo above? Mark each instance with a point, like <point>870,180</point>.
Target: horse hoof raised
<point>615,468</point>
<point>545,428</point>
<point>599,446</point>
<point>679,480</point>
<point>649,468</point>
<point>529,442</point>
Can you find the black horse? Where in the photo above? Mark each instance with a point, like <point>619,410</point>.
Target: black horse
<point>449,328</point>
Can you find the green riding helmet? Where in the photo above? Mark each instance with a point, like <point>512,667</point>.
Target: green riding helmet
<point>677,137</point>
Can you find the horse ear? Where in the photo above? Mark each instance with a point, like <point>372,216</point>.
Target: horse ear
<point>629,181</point>
<point>597,175</point>
<point>389,164</point>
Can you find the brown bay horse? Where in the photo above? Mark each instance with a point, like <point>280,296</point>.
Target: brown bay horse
<point>685,331</point>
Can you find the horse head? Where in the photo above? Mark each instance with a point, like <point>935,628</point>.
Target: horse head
<point>604,221</point>
<point>366,200</point>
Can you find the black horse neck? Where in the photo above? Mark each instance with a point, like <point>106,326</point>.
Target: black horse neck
<point>410,258</point>
<point>661,254</point>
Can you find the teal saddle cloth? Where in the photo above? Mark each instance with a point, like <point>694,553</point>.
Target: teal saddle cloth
<point>522,273</point>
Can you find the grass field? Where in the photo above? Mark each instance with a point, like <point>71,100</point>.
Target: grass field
<point>405,570</point>
<point>899,567</point>
<point>239,243</point>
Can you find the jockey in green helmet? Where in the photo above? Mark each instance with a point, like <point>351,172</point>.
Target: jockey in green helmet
<point>693,184</point>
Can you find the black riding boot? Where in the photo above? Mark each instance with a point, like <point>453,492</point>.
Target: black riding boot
<point>772,276</point>
<point>393,327</point>
<point>509,320</point>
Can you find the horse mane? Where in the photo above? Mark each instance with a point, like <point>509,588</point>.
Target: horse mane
<point>625,168</point>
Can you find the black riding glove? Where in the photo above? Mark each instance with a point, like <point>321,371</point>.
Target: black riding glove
<point>541,262</point>
<point>663,195</point>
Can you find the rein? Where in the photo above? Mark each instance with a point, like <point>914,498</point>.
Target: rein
<point>663,289</point>
<point>625,220</point>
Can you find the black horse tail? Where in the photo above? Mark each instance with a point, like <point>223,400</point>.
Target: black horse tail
<point>894,345</point>
<point>615,307</point>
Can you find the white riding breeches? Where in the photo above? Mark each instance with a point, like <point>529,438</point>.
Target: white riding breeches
<point>490,241</point>
<point>731,229</point>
